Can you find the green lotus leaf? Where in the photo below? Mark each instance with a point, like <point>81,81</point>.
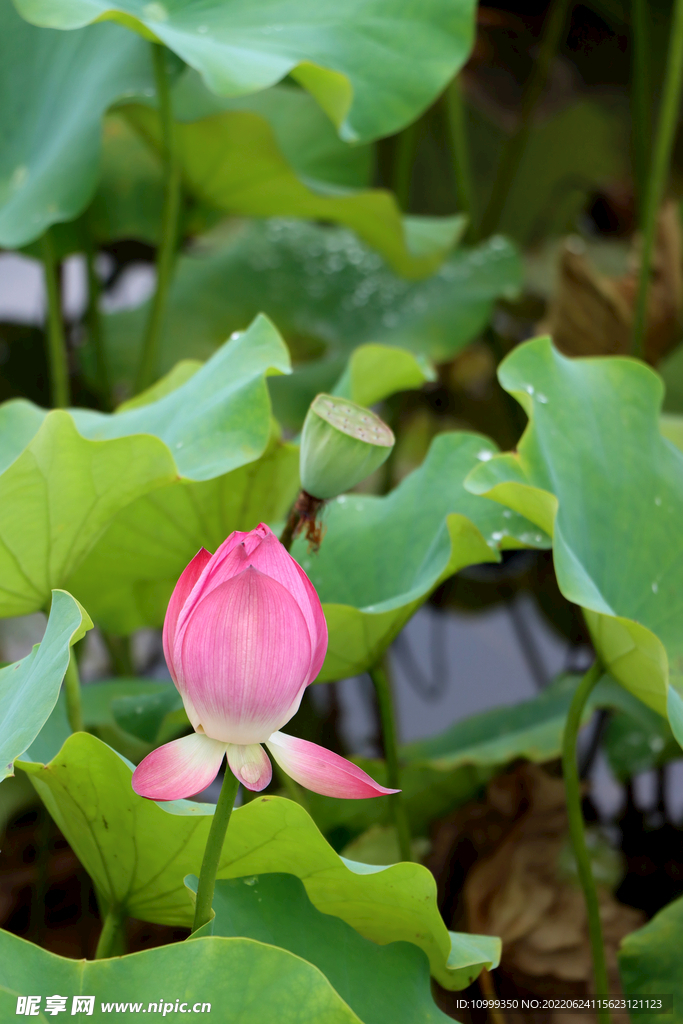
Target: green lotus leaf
<point>650,961</point>
<point>128,577</point>
<point>593,469</point>
<point>233,979</point>
<point>51,136</point>
<point>65,475</point>
<point>138,852</point>
<point>327,292</point>
<point>382,557</point>
<point>303,133</point>
<point>379,983</point>
<point>372,66</point>
<point>374,372</point>
<point>219,418</point>
<point>29,688</point>
<point>233,161</point>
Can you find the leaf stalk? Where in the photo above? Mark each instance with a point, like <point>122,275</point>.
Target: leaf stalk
<point>72,693</point>
<point>659,171</point>
<point>60,391</point>
<point>169,224</point>
<point>572,785</point>
<point>382,683</point>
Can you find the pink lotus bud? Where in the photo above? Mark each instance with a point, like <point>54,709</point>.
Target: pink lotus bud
<point>244,635</point>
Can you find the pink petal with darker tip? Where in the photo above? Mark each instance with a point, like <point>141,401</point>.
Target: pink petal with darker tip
<point>320,770</point>
<point>179,769</point>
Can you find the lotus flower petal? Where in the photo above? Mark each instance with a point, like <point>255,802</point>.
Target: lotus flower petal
<point>179,769</point>
<point>251,765</point>
<point>183,588</point>
<point>261,549</point>
<point>245,653</point>
<point>321,770</point>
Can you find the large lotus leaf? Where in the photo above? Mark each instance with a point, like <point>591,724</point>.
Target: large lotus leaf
<point>55,87</point>
<point>320,285</point>
<point>29,688</point>
<point>232,161</point>
<point>650,962</point>
<point>304,135</point>
<point>374,372</point>
<point>379,983</point>
<point>373,66</point>
<point>138,852</point>
<point>128,200</point>
<point>58,496</point>
<point>128,577</point>
<point>233,979</point>
<point>219,418</point>
<point>59,489</point>
<point>382,556</point>
<point>593,469</point>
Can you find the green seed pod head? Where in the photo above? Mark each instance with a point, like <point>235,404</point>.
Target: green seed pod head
<point>341,444</point>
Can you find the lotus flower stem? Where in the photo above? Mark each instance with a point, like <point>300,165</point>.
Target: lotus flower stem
<point>60,392</point>
<point>111,940</point>
<point>577,833</point>
<point>169,224</point>
<point>659,170</point>
<point>213,850</point>
<point>380,678</point>
<point>72,692</point>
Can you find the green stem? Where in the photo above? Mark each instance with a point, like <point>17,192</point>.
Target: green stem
<point>572,785</point>
<point>404,158</point>
<point>72,692</point>
<point>513,149</point>
<point>640,95</point>
<point>169,224</point>
<point>214,847</point>
<point>93,322</point>
<point>659,169</point>
<point>460,152</point>
<point>380,678</point>
<point>110,942</point>
<point>60,394</point>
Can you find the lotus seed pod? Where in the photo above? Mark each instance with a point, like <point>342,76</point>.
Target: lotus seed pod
<point>341,444</point>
